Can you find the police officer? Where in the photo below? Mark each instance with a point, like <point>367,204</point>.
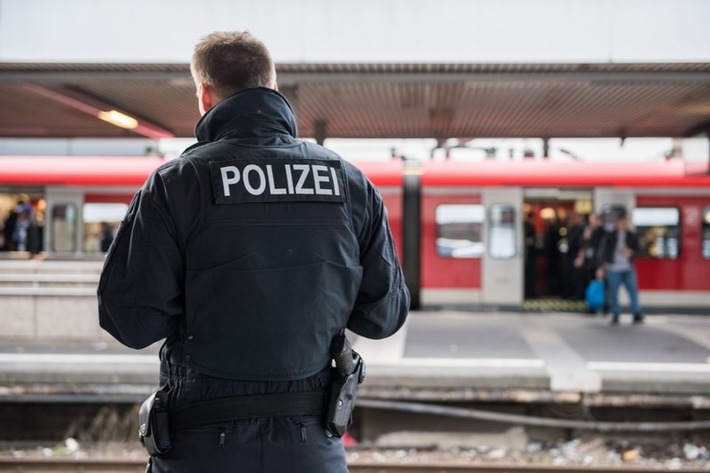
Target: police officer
<point>248,254</point>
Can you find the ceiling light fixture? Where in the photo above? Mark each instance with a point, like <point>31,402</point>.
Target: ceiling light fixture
<point>117,118</point>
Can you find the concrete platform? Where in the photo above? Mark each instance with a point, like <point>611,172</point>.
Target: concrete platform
<point>554,354</point>
<point>438,355</point>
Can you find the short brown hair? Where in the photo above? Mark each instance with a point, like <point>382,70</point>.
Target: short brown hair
<point>230,61</point>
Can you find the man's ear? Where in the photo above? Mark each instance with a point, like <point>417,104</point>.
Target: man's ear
<point>205,97</point>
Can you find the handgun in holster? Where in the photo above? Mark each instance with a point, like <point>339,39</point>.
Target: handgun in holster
<point>349,373</point>
<point>154,430</point>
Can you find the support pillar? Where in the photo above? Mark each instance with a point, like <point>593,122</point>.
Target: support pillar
<point>291,94</point>
<point>320,131</point>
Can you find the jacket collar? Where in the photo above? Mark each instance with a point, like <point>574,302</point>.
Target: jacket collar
<point>251,113</point>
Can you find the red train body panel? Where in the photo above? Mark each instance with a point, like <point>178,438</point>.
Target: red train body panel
<point>537,173</point>
<point>496,192</point>
<point>75,171</point>
<point>688,272</point>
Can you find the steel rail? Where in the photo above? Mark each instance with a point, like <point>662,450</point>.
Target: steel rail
<point>68,465</point>
<point>71,465</point>
<point>508,468</point>
<point>599,426</point>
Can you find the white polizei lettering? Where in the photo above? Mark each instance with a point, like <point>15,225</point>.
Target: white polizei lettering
<point>272,184</point>
<point>336,186</point>
<point>289,179</point>
<point>227,180</point>
<point>262,180</point>
<point>318,178</point>
<point>267,181</point>
<point>304,168</point>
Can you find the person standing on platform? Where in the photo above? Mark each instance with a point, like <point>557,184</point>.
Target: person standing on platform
<point>8,230</point>
<point>105,237</point>
<point>576,270</point>
<point>530,255</point>
<point>591,238</point>
<point>22,226</point>
<point>555,268</point>
<point>250,254</point>
<point>617,251</point>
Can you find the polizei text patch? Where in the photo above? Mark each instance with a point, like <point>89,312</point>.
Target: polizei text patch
<point>277,180</point>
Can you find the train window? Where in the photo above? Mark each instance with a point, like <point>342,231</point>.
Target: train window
<point>459,231</point>
<point>100,223</point>
<point>706,233</point>
<point>63,231</point>
<point>658,229</point>
<point>501,235</point>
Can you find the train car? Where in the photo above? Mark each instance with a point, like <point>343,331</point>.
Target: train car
<point>70,199</point>
<point>458,226</point>
<point>472,234</point>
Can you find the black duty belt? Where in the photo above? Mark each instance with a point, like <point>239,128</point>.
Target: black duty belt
<point>248,407</point>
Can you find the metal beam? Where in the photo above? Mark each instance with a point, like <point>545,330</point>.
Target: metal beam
<point>699,129</point>
<point>95,107</point>
<point>286,78</point>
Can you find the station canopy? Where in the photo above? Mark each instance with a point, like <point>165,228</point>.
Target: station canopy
<point>65,100</point>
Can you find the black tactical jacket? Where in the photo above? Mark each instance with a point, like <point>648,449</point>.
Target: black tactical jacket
<point>251,250</point>
<point>607,246</point>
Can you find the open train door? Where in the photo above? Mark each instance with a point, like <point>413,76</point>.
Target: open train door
<point>503,261</point>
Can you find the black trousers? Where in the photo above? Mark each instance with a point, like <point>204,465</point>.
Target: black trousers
<point>296,444</point>
<point>267,445</point>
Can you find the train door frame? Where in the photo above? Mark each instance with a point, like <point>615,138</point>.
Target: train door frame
<point>79,197</point>
<point>58,196</point>
<point>502,279</point>
<point>558,199</point>
<point>606,196</point>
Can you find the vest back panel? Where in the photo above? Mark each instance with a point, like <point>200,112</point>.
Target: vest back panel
<point>273,272</point>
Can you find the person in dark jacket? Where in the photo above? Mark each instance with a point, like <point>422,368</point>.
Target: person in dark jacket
<point>617,251</point>
<point>577,279</point>
<point>8,231</point>
<point>591,239</point>
<point>248,254</point>
<point>105,237</point>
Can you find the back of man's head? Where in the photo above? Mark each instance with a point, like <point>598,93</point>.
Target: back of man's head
<point>230,61</point>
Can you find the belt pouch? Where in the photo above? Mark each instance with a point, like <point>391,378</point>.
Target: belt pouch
<point>154,429</point>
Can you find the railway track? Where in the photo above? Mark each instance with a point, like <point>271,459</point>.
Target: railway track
<point>40,465</point>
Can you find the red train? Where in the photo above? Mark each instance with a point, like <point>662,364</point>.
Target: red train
<point>458,226</point>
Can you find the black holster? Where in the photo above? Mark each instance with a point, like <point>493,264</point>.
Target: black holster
<point>154,428</point>
<point>350,372</point>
